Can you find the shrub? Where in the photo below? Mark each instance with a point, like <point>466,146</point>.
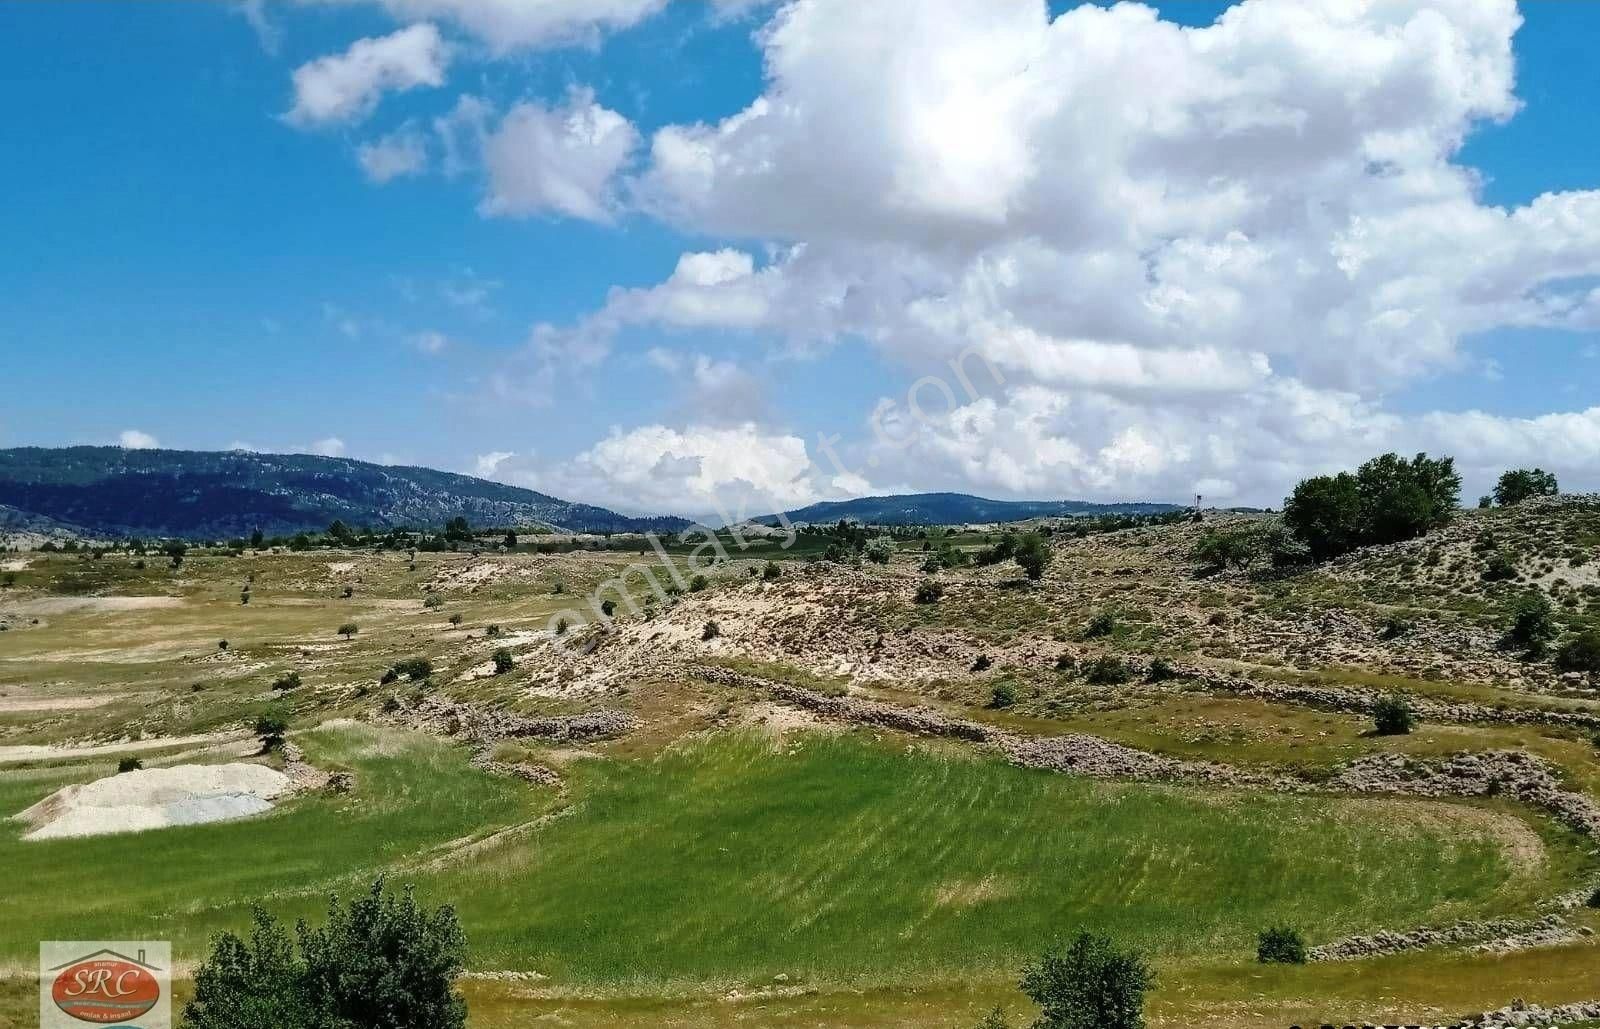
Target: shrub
<point>1532,626</point>
<point>1498,568</point>
<point>348,592</point>
<point>414,668</point>
<point>271,726</point>
<point>379,962</point>
<point>1280,945</point>
<point>772,571</point>
<point>995,1019</point>
<point>1089,984</point>
<point>1386,500</point>
<point>879,551</point>
<point>711,631</point>
<point>286,682</point>
<point>1395,627</point>
<point>1003,695</point>
<point>1107,670</point>
<point>608,608</point>
<point>349,629</point>
<point>432,601</point>
<point>982,663</point>
<point>455,619</point>
<point>1161,670</point>
<point>1229,548</point>
<point>1102,624</point>
<point>929,592</point>
<point>1594,899</point>
<point>1581,653</point>
<point>1394,716</point>
<point>503,661</point>
<point>931,564</point>
<point>1065,662</point>
<point>1519,484</point>
<point>698,583</point>
<point>1033,555</point>
<point>129,764</point>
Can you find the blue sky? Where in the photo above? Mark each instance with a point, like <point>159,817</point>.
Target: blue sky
<point>186,264</point>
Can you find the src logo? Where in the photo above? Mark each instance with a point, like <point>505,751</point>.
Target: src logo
<point>106,987</point>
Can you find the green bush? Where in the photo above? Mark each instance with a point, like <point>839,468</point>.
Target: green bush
<point>1003,695</point>
<point>1499,568</point>
<point>272,725</point>
<point>286,682</point>
<point>1594,899</point>
<point>879,551</point>
<point>349,629</point>
<point>380,962</point>
<point>711,631</point>
<point>1161,670</point>
<point>1089,984</point>
<point>503,661</point>
<point>1033,555</point>
<point>1107,670</point>
<point>1394,716</point>
<point>772,571</point>
<point>129,764</point>
<point>1102,624</point>
<point>1581,653</point>
<point>1280,945</point>
<point>1533,624</point>
<point>698,583</point>
<point>414,668</point>
<point>983,663</point>
<point>929,592</point>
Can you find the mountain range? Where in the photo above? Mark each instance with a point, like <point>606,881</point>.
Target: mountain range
<point>212,495</point>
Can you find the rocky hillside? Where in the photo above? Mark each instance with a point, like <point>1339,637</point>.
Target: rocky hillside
<point>117,492</point>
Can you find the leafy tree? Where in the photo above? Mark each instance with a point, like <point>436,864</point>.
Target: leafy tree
<point>1032,554</point>
<point>995,1019</point>
<point>1581,653</point>
<point>1393,716</point>
<point>1280,945</point>
<point>1229,548</point>
<point>457,529</point>
<point>1089,984</point>
<point>879,551</point>
<point>1533,625</point>
<point>339,532</point>
<point>1485,502</point>
<point>1003,695</point>
<point>176,550</point>
<point>503,661</point>
<point>1519,484</point>
<point>349,629</point>
<point>257,540</point>
<point>511,539</point>
<point>1386,500</point>
<point>272,725</point>
<point>380,962</point>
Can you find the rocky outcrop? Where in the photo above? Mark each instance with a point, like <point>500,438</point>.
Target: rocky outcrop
<point>1520,1014</point>
<point>485,725</point>
<point>1494,936</point>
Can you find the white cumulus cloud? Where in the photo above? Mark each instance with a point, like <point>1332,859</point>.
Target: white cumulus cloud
<point>346,87</point>
<point>134,439</point>
<point>557,160</point>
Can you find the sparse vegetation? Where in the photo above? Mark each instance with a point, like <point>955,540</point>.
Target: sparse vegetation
<point>286,682</point>
<point>1394,716</point>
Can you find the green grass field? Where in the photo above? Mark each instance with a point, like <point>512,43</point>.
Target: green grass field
<point>732,858</point>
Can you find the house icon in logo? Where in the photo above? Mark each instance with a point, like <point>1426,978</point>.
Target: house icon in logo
<point>101,984</point>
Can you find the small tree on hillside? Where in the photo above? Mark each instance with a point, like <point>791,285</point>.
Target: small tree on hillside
<point>349,629</point>
<point>1533,625</point>
<point>1393,716</point>
<point>1386,500</point>
<point>272,725</point>
<point>1033,554</point>
<point>1089,984</point>
<point>503,661</point>
<point>1280,945</point>
<point>1519,484</point>
<point>1581,653</point>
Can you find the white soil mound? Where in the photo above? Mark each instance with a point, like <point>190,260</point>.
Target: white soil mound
<point>156,798</point>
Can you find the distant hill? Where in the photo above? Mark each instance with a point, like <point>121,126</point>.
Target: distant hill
<point>205,494</point>
<point>954,508</point>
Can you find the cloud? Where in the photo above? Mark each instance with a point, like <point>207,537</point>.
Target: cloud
<point>543,160</point>
<point>506,25</point>
<point>430,342</point>
<point>394,156</point>
<point>700,470</point>
<point>487,464</point>
<point>346,87</point>
<point>332,446</point>
<point>133,439</point>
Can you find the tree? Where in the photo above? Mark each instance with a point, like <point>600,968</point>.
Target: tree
<point>257,540</point>
<point>1089,984</point>
<point>1386,500</point>
<point>286,682</point>
<point>772,571</point>
<point>1393,716</point>
<point>879,551</point>
<point>457,529</point>
<point>1229,548</point>
<point>1033,555</point>
<point>339,532</point>
<point>272,725</point>
<point>1533,625</point>
<point>1519,484</point>
<point>503,661</point>
<point>349,629</point>
<point>1581,653</point>
<point>380,962</point>
<point>511,539</point>
<point>176,550</point>
<point>129,764</point>
<point>1003,695</point>
<point>1280,945</point>
<point>929,592</point>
